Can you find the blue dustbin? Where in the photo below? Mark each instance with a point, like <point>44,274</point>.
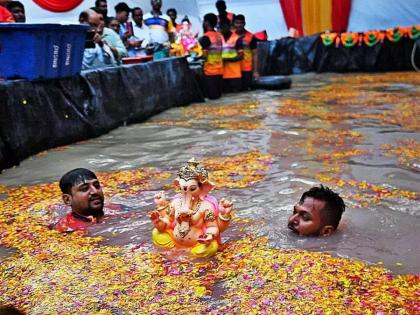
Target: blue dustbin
<point>73,43</point>
<point>41,51</point>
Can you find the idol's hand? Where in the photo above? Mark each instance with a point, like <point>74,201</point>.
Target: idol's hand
<point>155,217</point>
<point>225,206</point>
<point>160,199</point>
<point>206,238</point>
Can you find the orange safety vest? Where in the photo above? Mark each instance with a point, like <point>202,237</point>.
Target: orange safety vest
<point>214,62</point>
<point>247,62</point>
<point>231,70</point>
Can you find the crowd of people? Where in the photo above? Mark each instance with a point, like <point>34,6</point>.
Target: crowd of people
<point>227,50</point>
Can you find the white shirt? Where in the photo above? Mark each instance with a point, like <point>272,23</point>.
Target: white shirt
<point>142,33</point>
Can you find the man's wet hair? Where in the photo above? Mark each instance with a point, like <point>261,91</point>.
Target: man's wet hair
<point>211,18</point>
<point>334,204</point>
<point>220,5</point>
<point>15,4</point>
<point>239,17</point>
<point>122,6</point>
<point>75,177</point>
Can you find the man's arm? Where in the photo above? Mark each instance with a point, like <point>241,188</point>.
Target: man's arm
<point>205,44</point>
<point>116,44</point>
<point>254,48</point>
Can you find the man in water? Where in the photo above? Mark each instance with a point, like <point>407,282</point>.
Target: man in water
<point>83,193</point>
<point>318,212</point>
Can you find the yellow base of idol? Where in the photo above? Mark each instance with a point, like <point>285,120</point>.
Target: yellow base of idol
<point>165,240</point>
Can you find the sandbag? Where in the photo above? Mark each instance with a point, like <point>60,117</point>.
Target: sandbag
<point>272,82</point>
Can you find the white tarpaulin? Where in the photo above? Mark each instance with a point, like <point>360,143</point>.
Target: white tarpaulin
<point>368,15</point>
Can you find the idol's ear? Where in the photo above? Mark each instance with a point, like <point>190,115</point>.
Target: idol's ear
<point>205,188</point>
<point>327,230</point>
<point>67,199</point>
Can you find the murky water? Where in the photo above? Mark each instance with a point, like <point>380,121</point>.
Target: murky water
<point>377,226</point>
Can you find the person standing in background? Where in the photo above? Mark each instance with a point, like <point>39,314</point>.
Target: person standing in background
<point>249,65</point>
<point>141,34</point>
<point>232,54</point>
<point>161,29</point>
<point>102,7</point>
<point>122,11</point>
<point>173,14</point>
<point>18,11</point>
<point>223,14</point>
<point>212,43</point>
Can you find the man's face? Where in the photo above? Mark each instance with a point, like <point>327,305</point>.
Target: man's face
<point>96,21</point>
<point>138,17</point>
<point>156,4</point>
<point>239,25</point>
<point>306,217</point>
<point>103,7</point>
<point>122,16</point>
<point>172,15</point>
<point>18,14</point>
<point>221,7</point>
<point>86,198</point>
<point>115,25</point>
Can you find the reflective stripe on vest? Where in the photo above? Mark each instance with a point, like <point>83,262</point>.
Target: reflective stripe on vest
<point>246,63</point>
<point>214,62</point>
<point>231,70</point>
<point>229,46</point>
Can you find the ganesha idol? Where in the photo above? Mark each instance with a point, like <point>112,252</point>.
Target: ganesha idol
<point>193,219</point>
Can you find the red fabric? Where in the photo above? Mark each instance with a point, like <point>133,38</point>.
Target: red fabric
<point>58,5</point>
<point>5,15</point>
<point>292,12</point>
<point>340,15</point>
<point>262,36</point>
<point>69,223</point>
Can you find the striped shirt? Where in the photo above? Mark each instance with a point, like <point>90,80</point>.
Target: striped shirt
<point>159,27</point>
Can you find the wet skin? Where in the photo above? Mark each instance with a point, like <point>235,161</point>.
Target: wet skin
<point>86,198</point>
<point>306,217</point>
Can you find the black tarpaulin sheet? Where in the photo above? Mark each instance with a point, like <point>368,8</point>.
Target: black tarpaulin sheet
<point>308,54</point>
<point>39,115</point>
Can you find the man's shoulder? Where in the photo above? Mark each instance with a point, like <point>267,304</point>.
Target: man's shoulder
<point>148,15</point>
<point>69,223</point>
<point>64,224</point>
<point>109,33</point>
